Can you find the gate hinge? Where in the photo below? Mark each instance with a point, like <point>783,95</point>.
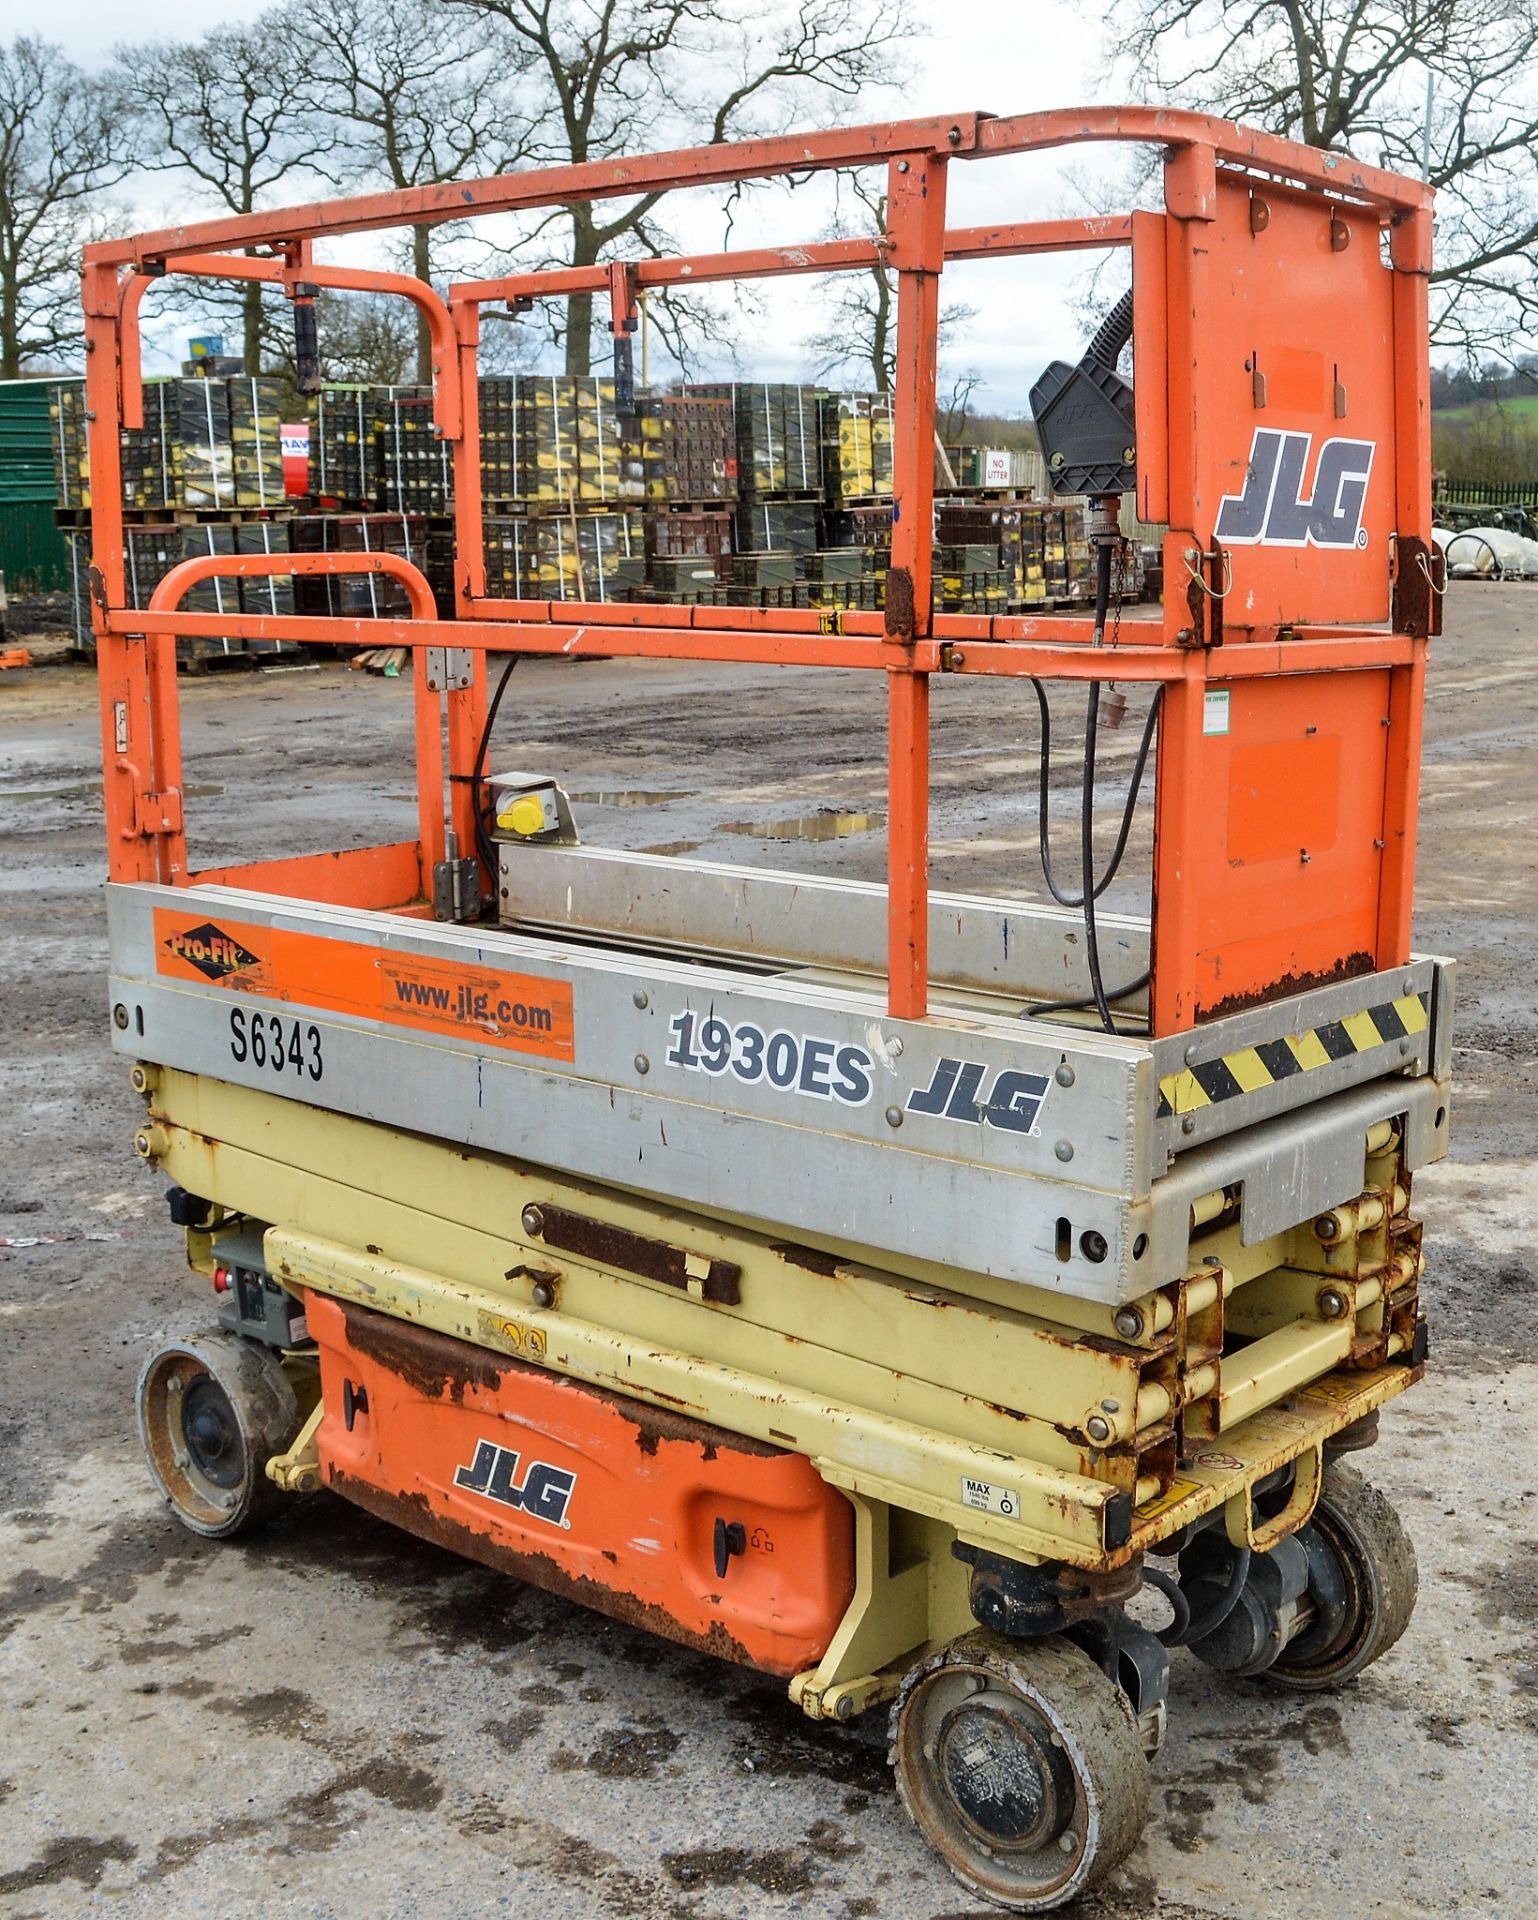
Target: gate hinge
<point>456,885</point>
<point>448,669</point>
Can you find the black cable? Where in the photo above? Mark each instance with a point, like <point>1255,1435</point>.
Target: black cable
<point>1238,1573</point>
<point>482,837</point>
<point>1043,824</point>
<point>1048,1007</point>
<point>1087,789</point>
<point>1174,1635</point>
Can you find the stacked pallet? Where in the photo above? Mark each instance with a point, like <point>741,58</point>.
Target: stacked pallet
<point>857,446</point>
<point>149,554</point>
<point>370,596</point>
<point>205,446</point>
<point>416,465</point>
<point>775,427</point>
<point>688,448</point>
<point>772,526</point>
<point>590,556</point>
<point>852,576</point>
<point>574,445</point>
<point>345,423</point>
<point>970,579</point>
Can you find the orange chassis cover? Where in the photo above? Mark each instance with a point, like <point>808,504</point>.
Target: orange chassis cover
<point>584,1492</point>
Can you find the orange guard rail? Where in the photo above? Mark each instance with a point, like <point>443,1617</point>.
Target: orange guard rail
<point>1282,290</point>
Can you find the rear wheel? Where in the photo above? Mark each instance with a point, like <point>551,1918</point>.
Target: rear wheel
<point>211,1414</point>
<point>1375,1560</point>
<point>1020,1763</point>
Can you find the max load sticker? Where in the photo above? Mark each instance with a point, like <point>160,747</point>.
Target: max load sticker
<point>519,1011</point>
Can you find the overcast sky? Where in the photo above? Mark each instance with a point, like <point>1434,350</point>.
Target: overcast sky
<point>1002,56</point>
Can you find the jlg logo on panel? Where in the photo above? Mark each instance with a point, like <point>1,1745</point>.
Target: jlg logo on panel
<point>546,1491</point>
<point>1272,511</point>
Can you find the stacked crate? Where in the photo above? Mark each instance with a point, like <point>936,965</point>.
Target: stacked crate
<point>857,446</point>
<point>370,596</point>
<point>776,428</point>
<point>206,461</point>
<point>574,444</point>
<point>842,577</point>
<point>970,579</point>
<point>267,593</point>
<point>416,465</point>
<point>686,535</point>
<point>772,526</point>
<point>1016,529</point>
<point>501,418</point>
<point>256,451</point>
<point>860,527</point>
<point>344,445</point>
<point>591,556</point>
<point>205,446</point>
<point>688,448</point>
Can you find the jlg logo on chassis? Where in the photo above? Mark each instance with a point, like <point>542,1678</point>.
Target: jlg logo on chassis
<point>955,1092</point>
<point>546,1491</point>
<point>1272,511</point>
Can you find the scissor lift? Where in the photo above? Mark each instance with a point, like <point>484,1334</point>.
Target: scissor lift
<point>722,1248</point>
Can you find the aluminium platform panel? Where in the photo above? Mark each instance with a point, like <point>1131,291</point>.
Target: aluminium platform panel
<point>976,1140</point>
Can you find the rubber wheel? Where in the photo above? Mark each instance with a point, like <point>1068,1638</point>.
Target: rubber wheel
<point>211,1414</point>
<point>1020,1763</point>
<point>1377,1561</point>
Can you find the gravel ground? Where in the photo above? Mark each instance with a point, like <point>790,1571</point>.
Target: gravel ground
<point>333,1719</point>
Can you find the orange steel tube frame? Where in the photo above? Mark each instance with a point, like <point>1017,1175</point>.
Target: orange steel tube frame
<point>909,642</point>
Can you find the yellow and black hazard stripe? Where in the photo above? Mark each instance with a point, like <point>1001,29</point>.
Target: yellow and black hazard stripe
<point>1250,1068</point>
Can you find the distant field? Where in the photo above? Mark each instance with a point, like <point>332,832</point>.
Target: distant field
<point>1524,408</point>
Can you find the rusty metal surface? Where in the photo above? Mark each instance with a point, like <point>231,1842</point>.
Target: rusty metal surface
<point>612,1246</point>
<point>412,1513</point>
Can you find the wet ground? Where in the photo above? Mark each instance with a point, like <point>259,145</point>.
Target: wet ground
<point>336,1720</point>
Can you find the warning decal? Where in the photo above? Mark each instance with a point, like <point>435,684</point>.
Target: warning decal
<point>519,1011</point>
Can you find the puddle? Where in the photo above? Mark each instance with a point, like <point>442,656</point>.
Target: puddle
<point>628,797</point>
<point>673,847</point>
<point>93,789</point>
<point>827,823</point>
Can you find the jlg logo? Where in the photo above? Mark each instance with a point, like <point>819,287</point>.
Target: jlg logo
<point>956,1093</point>
<point>1272,511</point>
<point>546,1491</point>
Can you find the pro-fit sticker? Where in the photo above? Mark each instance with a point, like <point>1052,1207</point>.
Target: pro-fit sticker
<point>522,1012</point>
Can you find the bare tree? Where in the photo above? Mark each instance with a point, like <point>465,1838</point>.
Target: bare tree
<point>954,410</point>
<point>64,140</point>
<point>622,76</point>
<point>1448,88</point>
<point>419,93</point>
<point>859,333</point>
<point>222,111</point>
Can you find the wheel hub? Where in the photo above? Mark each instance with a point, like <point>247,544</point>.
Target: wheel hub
<point>1005,1781</point>
<point>211,1434</point>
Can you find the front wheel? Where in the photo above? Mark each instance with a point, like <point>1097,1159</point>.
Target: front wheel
<point>1020,1763</point>
<point>211,1414</point>
<point>1373,1558</point>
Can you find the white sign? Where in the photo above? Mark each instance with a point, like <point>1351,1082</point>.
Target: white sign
<point>1215,710</point>
<point>996,467</point>
<point>985,1497</point>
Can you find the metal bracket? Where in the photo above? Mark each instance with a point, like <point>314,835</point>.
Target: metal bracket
<point>158,813</point>
<point>448,671</point>
<point>456,889</point>
<point>298,1470</point>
